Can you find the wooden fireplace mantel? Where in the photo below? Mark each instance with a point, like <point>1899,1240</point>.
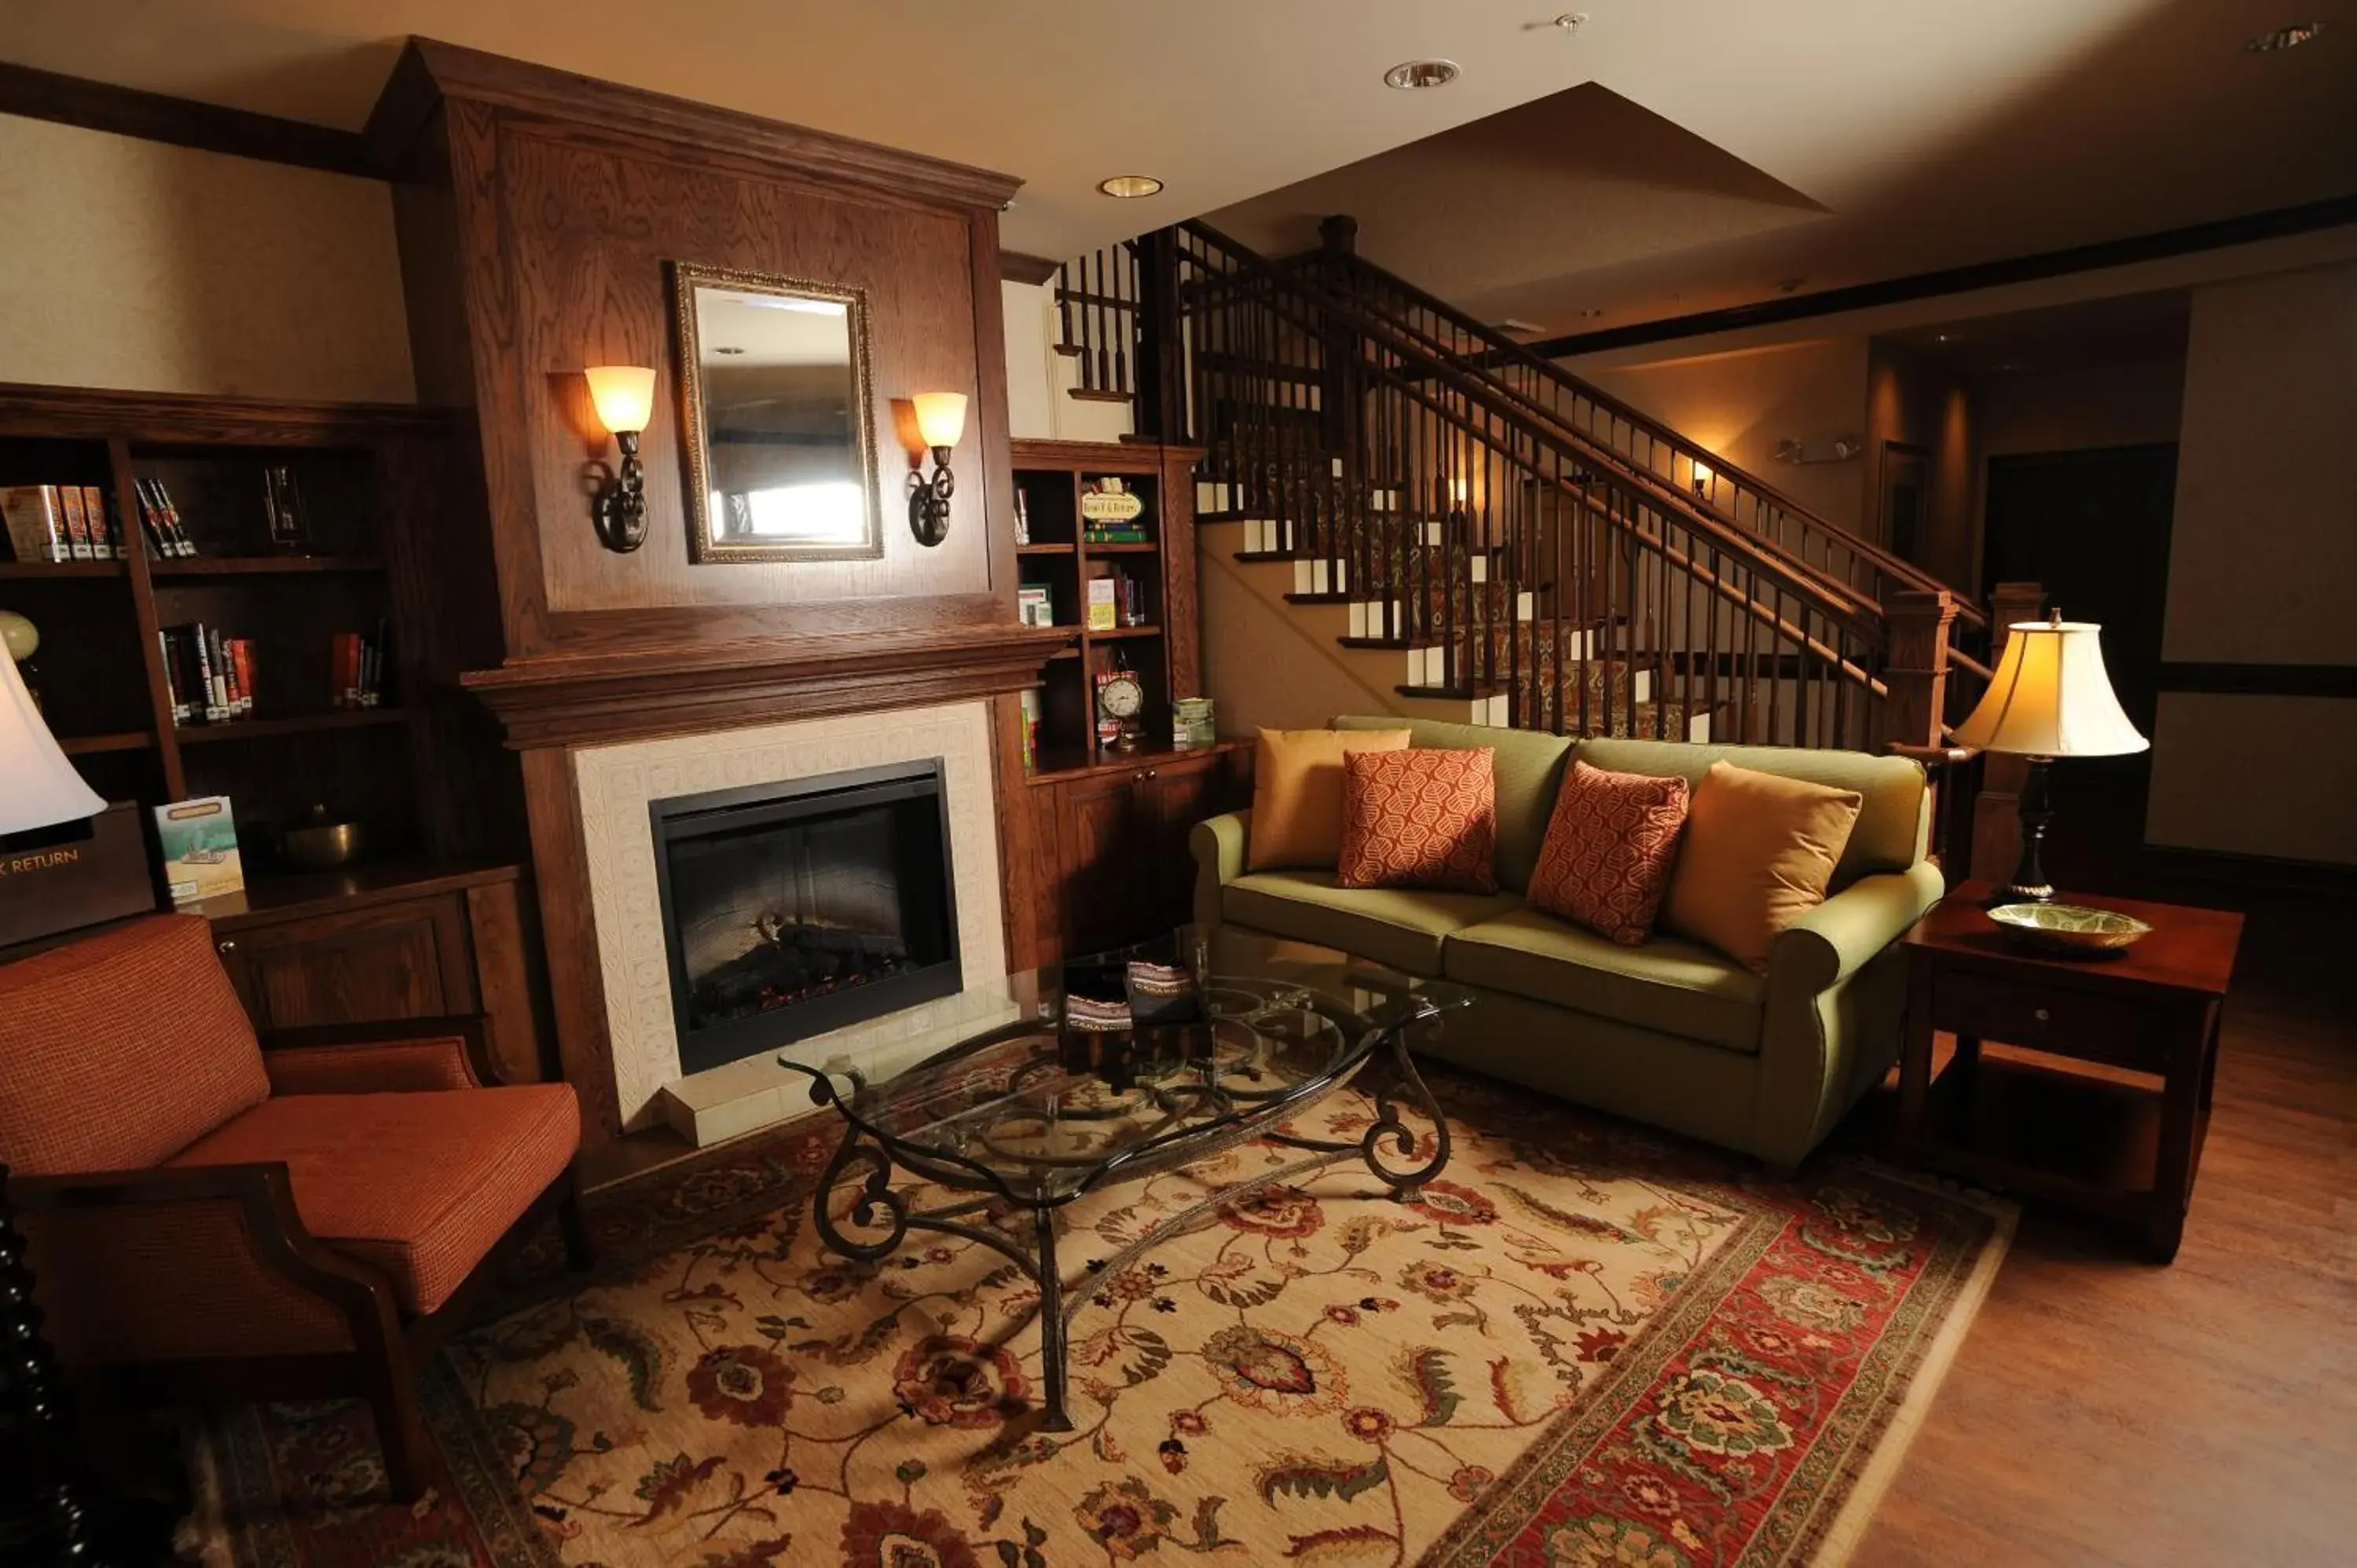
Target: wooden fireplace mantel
<point>595,699</point>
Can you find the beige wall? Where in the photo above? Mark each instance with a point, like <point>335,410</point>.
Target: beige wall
<point>1912,400</point>
<point>138,265</point>
<point>2264,548</point>
<point>2266,776</point>
<point>1038,378</point>
<point>1740,404</point>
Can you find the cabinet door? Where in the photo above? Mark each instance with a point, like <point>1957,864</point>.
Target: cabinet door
<point>394,961</point>
<point>1184,793</point>
<point>1098,840</point>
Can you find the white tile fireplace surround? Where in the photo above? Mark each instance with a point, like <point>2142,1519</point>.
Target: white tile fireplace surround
<point>616,785</point>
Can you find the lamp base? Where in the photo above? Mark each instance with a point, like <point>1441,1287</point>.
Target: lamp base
<point>2029,884</point>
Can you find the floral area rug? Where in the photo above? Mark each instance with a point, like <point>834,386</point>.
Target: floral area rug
<point>1586,1344</point>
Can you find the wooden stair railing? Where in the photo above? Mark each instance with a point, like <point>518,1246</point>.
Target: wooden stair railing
<point>1519,567</point>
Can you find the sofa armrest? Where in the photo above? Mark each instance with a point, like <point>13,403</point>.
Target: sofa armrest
<point>1833,941</point>
<point>1836,996</point>
<point>181,1262</point>
<point>405,1055</point>
<point>1219,845</point>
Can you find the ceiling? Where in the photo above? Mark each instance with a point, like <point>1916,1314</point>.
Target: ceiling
<point>1726,148</point>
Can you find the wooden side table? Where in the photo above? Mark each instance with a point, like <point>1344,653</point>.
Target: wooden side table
<point>2100,1143</point>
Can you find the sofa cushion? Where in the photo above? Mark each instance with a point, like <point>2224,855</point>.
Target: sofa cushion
<point>419,1186</point>
<point>1674,986</point>
<point>1759,850</point>
<point>1526,767</point>
<point>1419,819</point>
<point>121,1049</point>
<point>1892,826</point>
<point>1298,793</point>
<point>1608,850</point>
<point>1389,926</point>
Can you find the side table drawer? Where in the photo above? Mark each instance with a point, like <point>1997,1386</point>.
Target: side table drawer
<point>2070,1022</point>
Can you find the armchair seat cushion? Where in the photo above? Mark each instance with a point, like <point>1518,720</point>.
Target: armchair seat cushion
<point>419,1186</point>
<point>1673,986</point>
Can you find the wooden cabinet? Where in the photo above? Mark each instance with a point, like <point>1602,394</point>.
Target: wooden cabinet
<point>376,946</point>
<point>1114,841</point>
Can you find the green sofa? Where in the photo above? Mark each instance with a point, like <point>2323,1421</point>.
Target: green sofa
<point>1671,1033</point>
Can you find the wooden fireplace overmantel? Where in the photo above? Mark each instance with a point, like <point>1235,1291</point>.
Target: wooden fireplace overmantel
<point>645,693</point>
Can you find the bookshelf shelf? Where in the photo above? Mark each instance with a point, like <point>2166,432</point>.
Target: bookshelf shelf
<point>1043,549</point>
<point>259,565</point>
<point>35,571</point>
<point>1114,633</point>
<point>93,745</point>
<point>1149,548</point>
<point>299,723</point>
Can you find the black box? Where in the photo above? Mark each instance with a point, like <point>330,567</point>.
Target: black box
<point>74,875</point>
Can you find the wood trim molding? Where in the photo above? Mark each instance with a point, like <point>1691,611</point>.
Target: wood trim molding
<point>2261,679</point>
<point>430,69</point>
<point>2249,228</point>
<point>180,121</point>
<point>1014,266</point>
<point>93,413</point>
<point>2250,870</point>
<point>590,700</point>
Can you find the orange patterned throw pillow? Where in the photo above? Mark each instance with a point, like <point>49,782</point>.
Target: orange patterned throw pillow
<point>1419,819</point>
<point>1608,850</point>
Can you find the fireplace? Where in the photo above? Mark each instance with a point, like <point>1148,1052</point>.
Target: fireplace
<point>791,909</point>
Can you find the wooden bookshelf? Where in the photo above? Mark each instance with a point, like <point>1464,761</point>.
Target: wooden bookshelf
<point>417,770</point>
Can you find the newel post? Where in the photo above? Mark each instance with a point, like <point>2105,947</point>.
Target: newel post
<point>1161,407</point>
<point>1916,672</point>
<point>1996,809</point>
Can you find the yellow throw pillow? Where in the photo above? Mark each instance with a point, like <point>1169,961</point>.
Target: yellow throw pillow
<point>1298,793</point>
<point>1759,850</point>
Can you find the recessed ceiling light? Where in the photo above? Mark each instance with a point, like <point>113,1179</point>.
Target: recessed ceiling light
<point>1411,74</point>
<point>1130,187</point>
<point>2289,37</point>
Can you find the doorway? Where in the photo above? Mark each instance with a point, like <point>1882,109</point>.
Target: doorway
<point>2093,528</point>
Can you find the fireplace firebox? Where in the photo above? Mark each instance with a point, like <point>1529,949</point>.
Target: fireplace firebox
<point>791,909</point>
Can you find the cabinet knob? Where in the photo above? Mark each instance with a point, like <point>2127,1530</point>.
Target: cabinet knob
<point>1154,773</point>
<point>226,946</point>
<point>2043,1015</point>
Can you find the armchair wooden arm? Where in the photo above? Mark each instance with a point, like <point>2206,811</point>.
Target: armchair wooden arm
<point>403,1056</point>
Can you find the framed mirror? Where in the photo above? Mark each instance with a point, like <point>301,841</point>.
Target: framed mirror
<point>775,410</point>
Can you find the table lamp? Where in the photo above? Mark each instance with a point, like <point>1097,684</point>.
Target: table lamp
<point>2049,697</point>
<point>38,787</point>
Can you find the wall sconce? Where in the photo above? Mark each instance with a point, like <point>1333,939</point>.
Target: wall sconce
<point>1702,481</point>
<point>625,396</point>
<point>941,420</point>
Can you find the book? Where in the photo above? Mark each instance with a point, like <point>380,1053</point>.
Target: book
<point>241,664</point>
<point>199,844</point>
<point>77,525</point>
<point>1035,606</point>
<point>166,518</point>
<point>1029,701</point>
<point>1022,517</point>
<point>100,519</point>
<point>284,508</point>
<point>1104,606</point>
<point>35,522</point>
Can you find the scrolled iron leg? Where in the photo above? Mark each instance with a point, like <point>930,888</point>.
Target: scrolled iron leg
<point>1407,1185</point>
<point>1052,1343</point>
<point>876,1193</point>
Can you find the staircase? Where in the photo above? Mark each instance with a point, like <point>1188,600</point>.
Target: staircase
<point>1486,539</point>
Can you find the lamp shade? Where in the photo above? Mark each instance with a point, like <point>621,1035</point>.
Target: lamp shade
<point>38,787</point>
<point>2049,697</point>
<point>625,396</point>
<point>940,417</point>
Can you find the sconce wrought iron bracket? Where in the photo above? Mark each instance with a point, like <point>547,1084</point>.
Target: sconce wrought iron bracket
<point>929,501</point>
<point>620,507</point>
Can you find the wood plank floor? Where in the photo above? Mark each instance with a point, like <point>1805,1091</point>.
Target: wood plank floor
<point>2104,1411</point>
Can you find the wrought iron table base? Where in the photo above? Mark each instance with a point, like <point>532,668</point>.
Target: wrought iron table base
<point>879,1204</point>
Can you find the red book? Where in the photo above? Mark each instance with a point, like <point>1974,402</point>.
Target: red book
<point>77,526</point>
<point>241,657</point>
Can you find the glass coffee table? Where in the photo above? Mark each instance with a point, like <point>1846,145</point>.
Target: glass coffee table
<point>1113,1068</point>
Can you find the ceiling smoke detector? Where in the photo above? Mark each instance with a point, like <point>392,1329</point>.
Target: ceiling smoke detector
<point>2282,38</point>
<point>1410,75</point>
<point>1130,187</point>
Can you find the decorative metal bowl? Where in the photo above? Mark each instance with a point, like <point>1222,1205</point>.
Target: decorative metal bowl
<point>2070,928</point>
<point>322,844</point>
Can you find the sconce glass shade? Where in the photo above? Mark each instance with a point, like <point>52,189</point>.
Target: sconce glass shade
<point>940,417</point>
<point>38,787</point>
<point>2051,697</point>
<point>625,396</point>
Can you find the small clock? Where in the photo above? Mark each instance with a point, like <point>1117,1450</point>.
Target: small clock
<point>1121,699</point>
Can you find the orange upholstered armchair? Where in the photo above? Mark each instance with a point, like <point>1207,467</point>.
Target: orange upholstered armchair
<point>233,1217</point>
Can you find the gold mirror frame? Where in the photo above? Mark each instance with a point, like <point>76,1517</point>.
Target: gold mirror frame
<point>702,549</point>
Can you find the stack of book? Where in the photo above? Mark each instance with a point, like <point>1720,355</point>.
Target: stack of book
<point>159,519</point>
<point>356,668</point>
<point>211,676</point>
<point>1035,604</point>
<point>1116,533</point>
<point>61,522</point>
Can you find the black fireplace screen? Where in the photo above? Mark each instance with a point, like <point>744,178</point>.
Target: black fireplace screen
<point>791,909</point>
